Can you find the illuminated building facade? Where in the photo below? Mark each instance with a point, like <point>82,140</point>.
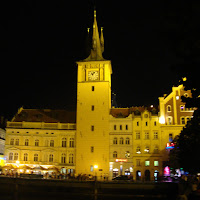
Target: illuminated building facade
<point>98,139</point>
<point>2,140</point>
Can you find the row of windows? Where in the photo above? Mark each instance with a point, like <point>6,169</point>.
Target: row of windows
<point>147,163</point>
<point>120,127</point>
<point>32,132</point>
<point>184,120</point>
<point>182,108</point>
<point>47,142</point>
<point>138,151</point>
<point>15,156</point>
<point>121,140</point>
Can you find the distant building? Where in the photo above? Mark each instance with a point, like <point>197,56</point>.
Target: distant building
<point>98,139</point>
<point>2,140</point>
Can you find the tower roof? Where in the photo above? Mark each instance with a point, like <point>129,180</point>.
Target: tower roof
<point>97,44</point>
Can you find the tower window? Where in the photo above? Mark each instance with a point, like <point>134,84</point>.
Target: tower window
<point>92,149</point>
<point>92,128</point>
<point>92,108</point>
<point>92,88</point>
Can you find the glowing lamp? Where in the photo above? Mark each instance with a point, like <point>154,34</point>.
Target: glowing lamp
<point>162,120</point>
<point>95,166</point>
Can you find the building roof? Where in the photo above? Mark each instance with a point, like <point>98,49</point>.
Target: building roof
<point>45,115</point>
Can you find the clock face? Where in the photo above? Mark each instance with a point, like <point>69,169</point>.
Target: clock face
<point>93,75</point>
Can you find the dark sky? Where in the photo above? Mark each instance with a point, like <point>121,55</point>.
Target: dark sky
<point>42,41</point>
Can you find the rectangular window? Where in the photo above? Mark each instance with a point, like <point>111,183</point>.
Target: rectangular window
<point>147,163</point>
<point>146,135</point>
<point>92,108</point>
<point>115,127</point>
<point>92,128</point>
<point>92,88</point>
<point>138,123</point>
<point>92,149</point>
<point>146,123</point>
<point>137,162</point>
<point>126,126</point>
<point>91,168</point>
<point>155,124</point>
<point>155,135</point>
<point>137,135</point>
<point>156,163</point>
<point>120,127</point>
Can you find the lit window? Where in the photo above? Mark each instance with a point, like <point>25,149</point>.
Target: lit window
<point>91,168</point>
<point>156,163</point>
<point>182,108</point>
<point>127,140</point>
<point>35,157</point>
<point>127,154</point>
<point>114,154</point>
<point>177,97</point>
<point>138,151</point>
<point>64,142</point>
<point>115,140</point>
<point>51,158</point>
<point>121,140</point>
<point>146,150</point>
<point>147,163</point>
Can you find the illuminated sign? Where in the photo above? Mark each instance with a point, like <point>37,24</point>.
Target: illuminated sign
<point>170,145</point>
<point>166,171</point>
<point>121,160</point>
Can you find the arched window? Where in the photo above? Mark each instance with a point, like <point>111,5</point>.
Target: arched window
<point>169,108</point>
<point>138,151</point>
<point>12,141</point>
<point>71,142</point>
<point>146,150</point>
<point>25,157</point>
<point>64,142</point>
<point>169,120</point>
<point>127,154</point>
<point>16,156</point>
<point>156,149</point>
<point>50,157</point>
<point>114,154</point>
<point>35,157</point>
<point>121,140</point>
<point>71,158</point>
<point>127,140</point>
<point>182,120</point>
<point>26,142</point>
<point>115,140</point>
<point>63,158</point>
<point>37,143</point>
<point>10,156</point>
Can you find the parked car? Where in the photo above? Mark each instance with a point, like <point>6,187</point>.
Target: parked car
<point>121,177</point>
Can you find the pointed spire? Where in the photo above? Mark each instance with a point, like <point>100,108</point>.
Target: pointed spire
<point>96,51</point>
<point>102,40</point>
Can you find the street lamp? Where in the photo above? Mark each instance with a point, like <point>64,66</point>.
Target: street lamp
<point>95,170</point>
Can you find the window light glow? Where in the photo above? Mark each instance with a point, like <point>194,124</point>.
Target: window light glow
<point>162,120</point>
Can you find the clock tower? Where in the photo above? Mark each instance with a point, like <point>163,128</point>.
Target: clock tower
<point>93,108</point>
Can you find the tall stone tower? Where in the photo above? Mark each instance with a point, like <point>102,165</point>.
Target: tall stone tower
<point>93,107</point>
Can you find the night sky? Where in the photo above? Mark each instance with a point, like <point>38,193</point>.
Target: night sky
<point>42,41</point>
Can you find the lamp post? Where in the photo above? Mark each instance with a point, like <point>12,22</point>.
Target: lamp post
<point>95,170</point>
